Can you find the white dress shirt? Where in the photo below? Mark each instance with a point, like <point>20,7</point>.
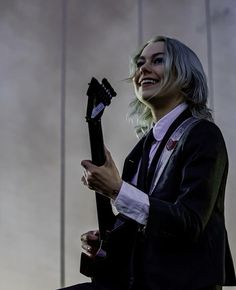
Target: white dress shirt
<point>131,201</point>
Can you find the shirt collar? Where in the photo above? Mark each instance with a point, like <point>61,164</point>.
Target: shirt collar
<point>161,127</point>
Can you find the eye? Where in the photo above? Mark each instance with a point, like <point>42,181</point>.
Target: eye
<point>158,60</point>
<point>139,63</point>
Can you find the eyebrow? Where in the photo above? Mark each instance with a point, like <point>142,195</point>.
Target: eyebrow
<point>152,56</point>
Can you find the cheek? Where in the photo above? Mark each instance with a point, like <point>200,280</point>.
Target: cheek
<point>160,71</point>
<point>135,78</point>
<point>135,83</point>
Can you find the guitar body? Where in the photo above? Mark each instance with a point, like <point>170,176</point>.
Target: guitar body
<point>114,255</point>
<point>89,265</point>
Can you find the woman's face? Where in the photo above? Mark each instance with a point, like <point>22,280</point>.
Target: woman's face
<point>150,71</point>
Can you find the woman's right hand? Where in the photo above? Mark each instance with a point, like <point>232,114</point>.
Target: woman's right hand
<point>90,242</point>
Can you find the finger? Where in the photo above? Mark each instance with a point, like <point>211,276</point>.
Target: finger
<point>96,233</point>
<point>90,234</point>
<point>108,156</point>
<point>87,164</point>
<point>110,163</point>
<point>83,237</point>
<point>87,248</point>
<point>93,236</point>
<point>84,180</point>
<point>91,187</point>
<point>106,149</point>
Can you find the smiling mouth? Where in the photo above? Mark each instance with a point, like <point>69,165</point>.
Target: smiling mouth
<point>148,82</point>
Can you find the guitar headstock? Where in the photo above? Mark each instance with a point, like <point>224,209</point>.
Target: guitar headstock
<point>99,96</point>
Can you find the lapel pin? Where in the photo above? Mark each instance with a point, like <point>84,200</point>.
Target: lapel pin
<point>171,144</point>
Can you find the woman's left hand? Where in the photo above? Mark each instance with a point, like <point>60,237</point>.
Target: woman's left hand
<point>104,179</point>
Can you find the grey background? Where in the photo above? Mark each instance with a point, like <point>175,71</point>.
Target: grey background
<point>100,37</point>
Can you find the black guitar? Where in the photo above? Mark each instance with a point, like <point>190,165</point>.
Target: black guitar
<point>99,96</point>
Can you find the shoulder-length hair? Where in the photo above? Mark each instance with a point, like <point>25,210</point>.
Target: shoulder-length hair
<point>183,74</point>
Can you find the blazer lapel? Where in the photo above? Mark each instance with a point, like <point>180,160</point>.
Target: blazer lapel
<point>132,161</point>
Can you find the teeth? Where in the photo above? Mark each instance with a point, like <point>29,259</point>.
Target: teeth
<point>148,81</point>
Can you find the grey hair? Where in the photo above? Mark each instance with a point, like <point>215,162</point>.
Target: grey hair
<point>183,74</point>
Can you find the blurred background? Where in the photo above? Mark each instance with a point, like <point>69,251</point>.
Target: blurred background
<point>49,50</point>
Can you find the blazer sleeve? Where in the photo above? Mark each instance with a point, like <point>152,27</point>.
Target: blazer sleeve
<point>203,170</point>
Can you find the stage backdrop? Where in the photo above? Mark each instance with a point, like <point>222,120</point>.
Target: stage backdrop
<point>49,50</point>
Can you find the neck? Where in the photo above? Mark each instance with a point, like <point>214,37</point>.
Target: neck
<point>163,108</point>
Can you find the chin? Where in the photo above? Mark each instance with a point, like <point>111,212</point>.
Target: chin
<point>148,97</point>
<point>148,93</point>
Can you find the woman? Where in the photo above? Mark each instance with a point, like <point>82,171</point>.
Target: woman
<point>171,194</point>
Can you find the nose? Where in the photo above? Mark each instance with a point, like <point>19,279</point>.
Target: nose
<point>145,67</point>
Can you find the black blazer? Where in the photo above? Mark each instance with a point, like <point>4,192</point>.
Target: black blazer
<point>184,245</point>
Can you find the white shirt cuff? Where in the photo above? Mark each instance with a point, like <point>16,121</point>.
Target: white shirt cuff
<point>133,203</point>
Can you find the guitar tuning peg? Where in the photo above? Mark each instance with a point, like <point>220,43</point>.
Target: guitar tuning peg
<point>107,85</point>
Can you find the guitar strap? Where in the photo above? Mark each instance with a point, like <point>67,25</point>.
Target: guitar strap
<point>169,149</point>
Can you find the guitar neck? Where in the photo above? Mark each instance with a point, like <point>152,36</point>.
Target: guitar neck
<point>104,212</point>
<point>96,143</point>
